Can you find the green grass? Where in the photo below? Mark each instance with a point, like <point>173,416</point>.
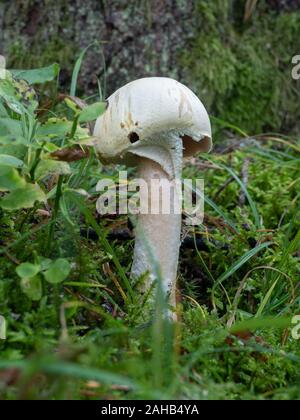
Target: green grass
<point>86,337</point>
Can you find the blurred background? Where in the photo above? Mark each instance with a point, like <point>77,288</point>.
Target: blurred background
<point>236,54</point>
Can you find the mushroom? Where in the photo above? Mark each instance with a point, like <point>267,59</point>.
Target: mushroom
<point>152,123</point>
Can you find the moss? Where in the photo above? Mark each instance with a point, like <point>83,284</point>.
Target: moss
<point>37,34</point>
<point>41,55</point>
<point>243,70</point>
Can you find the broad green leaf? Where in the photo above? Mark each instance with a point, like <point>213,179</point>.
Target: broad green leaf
<point>37,76</point>
<point>3,112</point>
<point>25,94</point>
<point>9,140</point>
<point>10,179</point>
<point>23,198</point>
<point>9,126</point>
<point>59,128</point>
<point>7,88</point>
<point>92,112</point>
<point>58,271</point>
<point>51,167</point>
<point>8,95</point>
<point>7,160</point>
<point>15,149</point>
<point>54,127</point>
<point>32,287</point>
<point>14,105</point>
<point>50,147</point>
<point>44,263</point>
<point>27,269</point>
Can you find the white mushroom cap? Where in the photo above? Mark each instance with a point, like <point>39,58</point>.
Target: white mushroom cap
<point>150,112</point>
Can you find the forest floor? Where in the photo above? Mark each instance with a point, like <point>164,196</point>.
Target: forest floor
<point>73,326</point>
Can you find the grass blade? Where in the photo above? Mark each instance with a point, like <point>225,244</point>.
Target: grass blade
<point>72,370</point>
<point>106,245</point>
<point>241,261</point>
<point>245,190</point>
<point>214,206</point>
<point>262,322</point>
<point>225,124</point>
<point>77,68</point>
<point>266,299</point>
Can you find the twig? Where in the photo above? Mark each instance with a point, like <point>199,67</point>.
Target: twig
<point>55,213</point>
<point>249,9</point>
<point>12,258</point>
<point>245,177</point>
<point>108,272</point>
<point>223,187</point>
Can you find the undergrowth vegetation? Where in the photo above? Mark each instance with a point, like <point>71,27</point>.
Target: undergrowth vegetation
<point>73,325</point>
<point>240,61</point>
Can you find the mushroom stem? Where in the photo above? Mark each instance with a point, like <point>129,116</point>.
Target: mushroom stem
<point>157,240</point>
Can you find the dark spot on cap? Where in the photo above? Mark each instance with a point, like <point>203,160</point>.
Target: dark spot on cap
<point>137,123</point>
<point>122,125</point>
<point>133,137</point>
